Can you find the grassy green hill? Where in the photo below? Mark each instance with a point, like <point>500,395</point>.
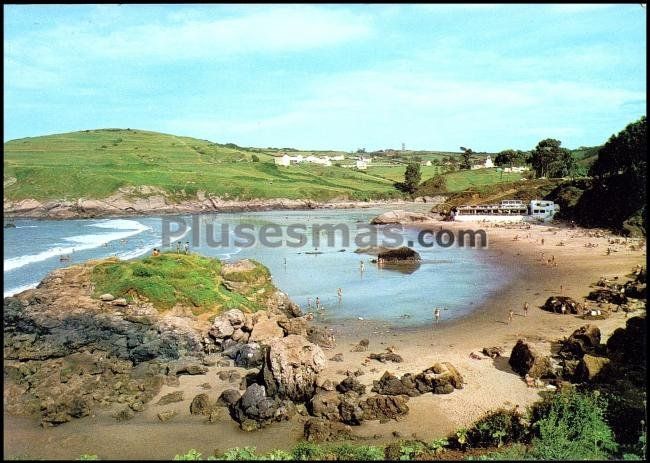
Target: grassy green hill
<point>95,163</point>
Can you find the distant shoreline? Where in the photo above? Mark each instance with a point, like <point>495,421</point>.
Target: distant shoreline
<point>90,209</point>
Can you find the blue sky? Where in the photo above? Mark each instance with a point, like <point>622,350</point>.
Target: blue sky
<point>489,77</point>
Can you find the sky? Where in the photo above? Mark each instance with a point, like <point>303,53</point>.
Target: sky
<point>343,77</point>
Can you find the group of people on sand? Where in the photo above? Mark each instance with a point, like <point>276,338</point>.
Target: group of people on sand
<point>511,313</point>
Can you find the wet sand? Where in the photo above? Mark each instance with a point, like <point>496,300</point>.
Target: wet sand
<point>489,383</point>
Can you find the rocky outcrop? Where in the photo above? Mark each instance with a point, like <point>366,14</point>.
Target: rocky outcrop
<point>526,360</point>
<point>584,340</point>
<point>402,217</point>
<point>291,367</point>
<point>322,430</point>
<point>67,352</point>
<point>401,255</point>
<point>441,378</point>
<point>556,303</point>
<point>201,405</point>
<point>141,200</point>
<point>384,408</point>
<point>228,397</point>
<point>384,357</point>
<point>255,409</point>
<point>589,366</point>
<point>607,295</point>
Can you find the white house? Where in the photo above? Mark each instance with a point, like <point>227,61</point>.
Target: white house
<point>362,164</point>
<point>282,160</point>
<point>287,160</point>
<point>486,165</point>
<point>338,157</point>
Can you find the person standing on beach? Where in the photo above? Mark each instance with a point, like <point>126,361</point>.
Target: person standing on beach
<point>510,314</point>
<point>178,247</point>
<point>525,309</point>
<point>436,314</point>
<point>362,266</point>
<point>317,303</point>
<point>339,292</point>
<point>309,302</point>
<point>187,247</point>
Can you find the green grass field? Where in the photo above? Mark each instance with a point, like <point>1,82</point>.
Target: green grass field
<point>464,179</point>
<point>189,280</point>
<point>95,163</point>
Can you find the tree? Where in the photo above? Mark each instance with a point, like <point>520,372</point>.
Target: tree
<point>625,154</point>
<point>510,158</point>
<point>549,159</point>
<point>466,162</point>
<point>412,177</point>
<point>255,158</point>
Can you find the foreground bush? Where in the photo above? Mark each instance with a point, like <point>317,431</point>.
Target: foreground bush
<point>496,429</point>
<point>571,426</point>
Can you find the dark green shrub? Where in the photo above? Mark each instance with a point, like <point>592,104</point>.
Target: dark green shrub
<point>571,426</point>
<point>308,451</point>
<point>358,452</point>
<point>497,428</point>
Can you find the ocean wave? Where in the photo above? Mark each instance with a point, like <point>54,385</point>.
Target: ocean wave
<point>19,289</point>
<point>83,243</point>
<point>135,253</point>
<point>26,226</point>
<point>120,224</point>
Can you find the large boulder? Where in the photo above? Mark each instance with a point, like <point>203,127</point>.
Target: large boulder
<point>266,330</point>
<point>401,217</point>
<point>255,409</point>
<point>351,384</point>
<point>290,368</point>
<point>228,397</point>
<point>607,295</point>
<point>389,384</point>
<point>221,328</point>
<point>249,355</point>
<point>583,340</point>
<point>322,430</point>
<point>325,404</point>
<point>629,344</point>
<point>441,378</point>
<point>399,255</point>
<point>297,325</point>
<point>555,303</point>
<point>235,317</point>
<point>589,366</point>
<point>349,408</point>
<point>321,336</point>
<point>525,360</point>
<point>200,405</point>
<point>383,408</point>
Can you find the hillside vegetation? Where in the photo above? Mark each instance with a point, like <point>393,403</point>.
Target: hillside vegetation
<point>95,163</point>
<point>187,280</point>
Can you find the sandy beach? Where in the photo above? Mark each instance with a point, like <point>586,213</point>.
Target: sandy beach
<point>490,384</point>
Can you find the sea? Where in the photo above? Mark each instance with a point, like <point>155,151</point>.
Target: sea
<point>303,263</point>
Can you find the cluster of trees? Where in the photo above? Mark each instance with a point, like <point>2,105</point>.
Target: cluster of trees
<point>548,159</point>
<point>511,158</point>
<point>615,196</point>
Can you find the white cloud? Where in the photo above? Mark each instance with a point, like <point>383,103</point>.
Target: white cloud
<point>272,29</point>
<point>382,108</point>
